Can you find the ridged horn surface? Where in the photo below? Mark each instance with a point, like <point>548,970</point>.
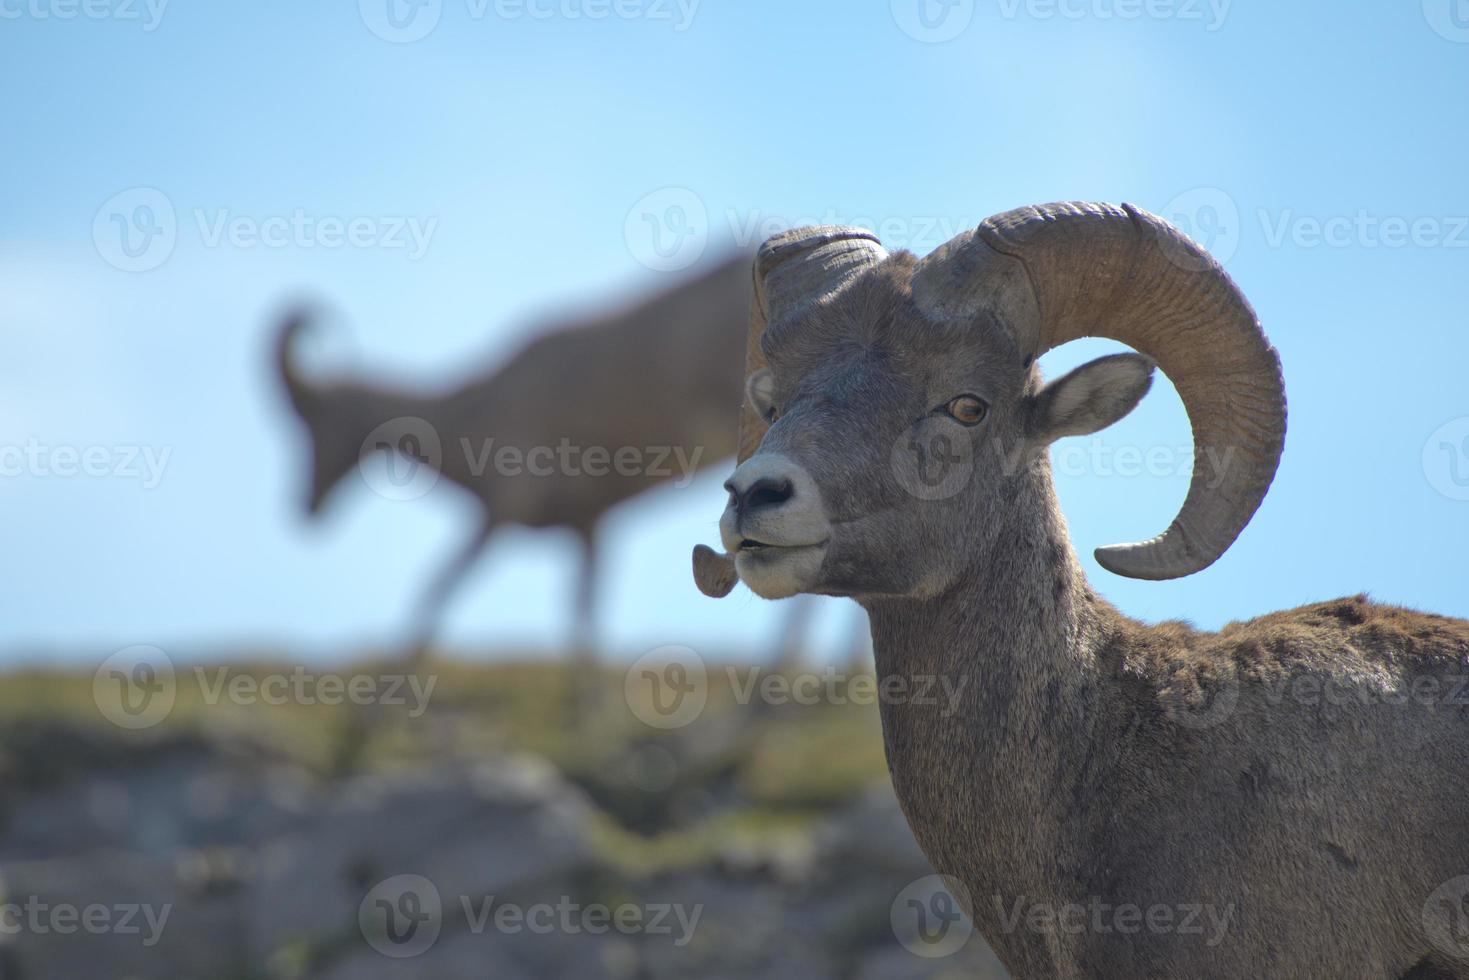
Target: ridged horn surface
<point>1058,272</point>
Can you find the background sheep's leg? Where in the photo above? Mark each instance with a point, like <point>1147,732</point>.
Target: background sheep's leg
<point>583,689</point>
<point>859,644</point>
<point>442,588</point>
<point>792,650</point>
<point>584,627</point>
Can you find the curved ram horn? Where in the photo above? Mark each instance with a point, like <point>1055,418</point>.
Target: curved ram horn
<point>801,266</point>
<point>1058,272</point>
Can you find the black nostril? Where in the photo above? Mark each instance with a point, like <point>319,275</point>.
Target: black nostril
<point>767,492</point>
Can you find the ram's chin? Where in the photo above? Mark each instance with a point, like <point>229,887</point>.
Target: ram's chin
<point>779,573</point>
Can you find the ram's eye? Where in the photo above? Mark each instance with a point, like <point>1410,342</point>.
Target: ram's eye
<point>967,410</point>
<point>771,414</point>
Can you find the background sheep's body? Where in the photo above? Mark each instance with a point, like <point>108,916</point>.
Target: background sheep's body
<point>660,377</point>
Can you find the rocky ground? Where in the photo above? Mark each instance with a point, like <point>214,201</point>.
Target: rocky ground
<point>499,833</point>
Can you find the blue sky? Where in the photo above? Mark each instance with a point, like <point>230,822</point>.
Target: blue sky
<point>1318,147</point>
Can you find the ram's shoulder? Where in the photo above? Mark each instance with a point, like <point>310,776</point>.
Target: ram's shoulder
<point>1352,636</point>
<point>1343,633</point>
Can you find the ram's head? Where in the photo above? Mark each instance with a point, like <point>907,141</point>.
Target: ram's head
<point>895,418</point>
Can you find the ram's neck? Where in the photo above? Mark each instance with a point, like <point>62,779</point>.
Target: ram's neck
<point>987,779</point>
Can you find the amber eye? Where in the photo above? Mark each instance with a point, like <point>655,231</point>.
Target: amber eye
<point>967,410</point>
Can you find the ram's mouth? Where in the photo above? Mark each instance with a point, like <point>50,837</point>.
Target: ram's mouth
<point>754,547</point>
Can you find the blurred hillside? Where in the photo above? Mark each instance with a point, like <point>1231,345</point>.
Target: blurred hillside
<point>478,831</point>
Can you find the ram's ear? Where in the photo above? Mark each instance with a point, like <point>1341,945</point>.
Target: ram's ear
<point>760,391</point>
<point>1090,398</point>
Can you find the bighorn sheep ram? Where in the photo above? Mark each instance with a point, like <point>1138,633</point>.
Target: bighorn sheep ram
<point>1096,763</point>
<point>657,381</point>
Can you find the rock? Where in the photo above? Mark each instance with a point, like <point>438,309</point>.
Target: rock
<point>503,957</point>
<point>119,915</point>
<point>973,962</point>
<point>747,926</point>
<point>182,794</point>
<point>869,857</point>
<point>467,831</point>
<point>871,832</point>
